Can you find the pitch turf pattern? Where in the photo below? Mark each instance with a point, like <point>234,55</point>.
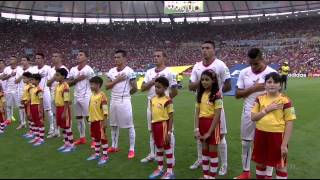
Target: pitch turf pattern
<point>18,159</point>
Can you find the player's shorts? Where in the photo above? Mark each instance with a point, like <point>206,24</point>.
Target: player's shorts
<point>247,126</point>
<point>46,100</point>
<point>98,131</point>
<point>223,122</point>
<point>13,99</point>
<point>39,122</point>
<point>63,123</point>
<point>121,113</point>
<point>160,133</point>
<point>204,126</point>
<point>267,149</point>
<point>82,107</point>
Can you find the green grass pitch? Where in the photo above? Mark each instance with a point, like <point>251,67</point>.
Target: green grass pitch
<point>18,159</point>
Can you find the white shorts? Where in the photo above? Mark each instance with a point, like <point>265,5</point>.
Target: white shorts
<point>82,107</point>
<point>47,100</point>
<point>13,98</point>
<point>247,126</point>
<point>121,113</point>
<point>223,122</point>
<point>53,105</point>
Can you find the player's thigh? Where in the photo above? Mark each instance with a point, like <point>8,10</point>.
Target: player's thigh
<point>247,127</point>
<point>46,101</point>
<point>10,99</point>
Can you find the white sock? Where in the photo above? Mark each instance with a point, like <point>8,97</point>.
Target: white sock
<point>223,151</point>
<point>173,145</point>
<point>50,118</point>
<point>152,146</point>
<point>199,149</point>
<point>115,136</point>
<point>269,171</point>
<point>132,138</point>
<point>246,155</point>
<point>82,128</point>
<point>22,116</point>
<point>9,112</point>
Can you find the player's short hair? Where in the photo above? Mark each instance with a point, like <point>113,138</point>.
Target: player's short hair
<point>210,42</point>
<point>96,80</point>
<point>255,54</point>
<point>164,54</point>
<point>275,76</point>
<point>84,52</point>
<point>63,72</point>
<point>121,51</point>
<point>163,81</point>
<point>40,54</point>
<point>27,74</point>
<point>27,57</point>
<point>13,56</point>
<point>37,77</point>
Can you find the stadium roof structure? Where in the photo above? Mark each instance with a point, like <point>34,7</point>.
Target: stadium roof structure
<point>154,10</point>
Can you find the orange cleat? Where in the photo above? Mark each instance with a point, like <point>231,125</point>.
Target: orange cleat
<point>243,175</point>
<point>113,150</point>
<point>131,154</point>
<point>81,141</point>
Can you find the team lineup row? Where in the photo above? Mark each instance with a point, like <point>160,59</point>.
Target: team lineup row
<point>43,89</point>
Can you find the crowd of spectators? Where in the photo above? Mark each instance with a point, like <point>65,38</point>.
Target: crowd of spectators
<point>292,40</point>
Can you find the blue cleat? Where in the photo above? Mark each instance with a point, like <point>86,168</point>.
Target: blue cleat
<point>168,175</point>
<point>69,149</point>
<point>38,143</point>
<point>93,157</point>
<point>157,173</point>
<point>103,160</point>
<point>62,147</point>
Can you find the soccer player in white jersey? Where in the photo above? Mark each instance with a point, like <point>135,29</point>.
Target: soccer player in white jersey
<point>122,82</point>
<point>219,67</point>
<point>45,72</point>
<point>79,77</point>
<point>57,64</point>
<point>12,97</point>
<point>25,68</point>
<point>249,86</point>
<point>160,58</point>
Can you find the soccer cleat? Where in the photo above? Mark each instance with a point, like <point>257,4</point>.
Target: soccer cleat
<point>21,126</point>
<point>223,170</point>
<point>82,140</point>
<point>195,165</point>
<point>113,150</point>
<point>131,154</point>
<point>168,175</point>
<point>243,175</point>
<point>13,118</point>
<point>103,160</point>
<point>149,158</point>
<point>93,157</point>
<point>69,148</point>
<point>157,173</point>
<point>93,145</point>
<point>34,140</point>
<point>53,135</point>
<point>62,147</point>
<point>28,135</point>
<point>38,143</point>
